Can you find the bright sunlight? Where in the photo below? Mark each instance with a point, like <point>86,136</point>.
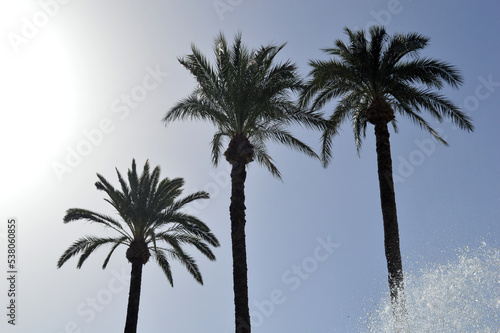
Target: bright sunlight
<point>38,94</point>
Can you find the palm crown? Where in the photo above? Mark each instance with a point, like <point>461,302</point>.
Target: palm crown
<point>150,217</point>
<point>247,98</point>
<point>375,76</point>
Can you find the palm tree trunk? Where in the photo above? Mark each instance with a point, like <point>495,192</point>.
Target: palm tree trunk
<point>388,202</point>
<point>133,298</point>
<point>237,214</point>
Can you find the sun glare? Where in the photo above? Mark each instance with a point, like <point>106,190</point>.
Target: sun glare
<point>36,107</point>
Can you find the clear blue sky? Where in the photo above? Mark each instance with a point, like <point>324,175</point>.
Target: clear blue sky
<point>67,68</point>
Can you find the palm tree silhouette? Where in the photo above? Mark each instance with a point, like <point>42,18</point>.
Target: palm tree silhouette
<point>247,98</point>
<point>374,80</point>
<point>150,218</point>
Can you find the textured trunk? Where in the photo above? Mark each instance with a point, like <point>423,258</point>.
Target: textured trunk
<point>240,280</point>
<point>388,202</point>
<point>239,153</point>
<point>133,297</point>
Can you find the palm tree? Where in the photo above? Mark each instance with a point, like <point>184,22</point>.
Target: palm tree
<point>247,98</point>
<point>149,216</point>
<point>374,80</point>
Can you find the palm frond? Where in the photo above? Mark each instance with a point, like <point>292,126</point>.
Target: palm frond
<point>187,261</point>
<point>162,261</point>
<point>118,243</point>
<point>75,214</point>
<point>188,199</point>
<point>430,72</point>
<point>277,134</point>
<point>180,239</point>
<point>217,147</point>
<point>85,245</point>
<point>265,159</point>
<point>189,225</point>
<point>95,243</point>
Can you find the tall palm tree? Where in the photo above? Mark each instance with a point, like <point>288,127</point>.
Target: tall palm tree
<point>247,98</point>
<point>149,211</point>
<point>373,81</point>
